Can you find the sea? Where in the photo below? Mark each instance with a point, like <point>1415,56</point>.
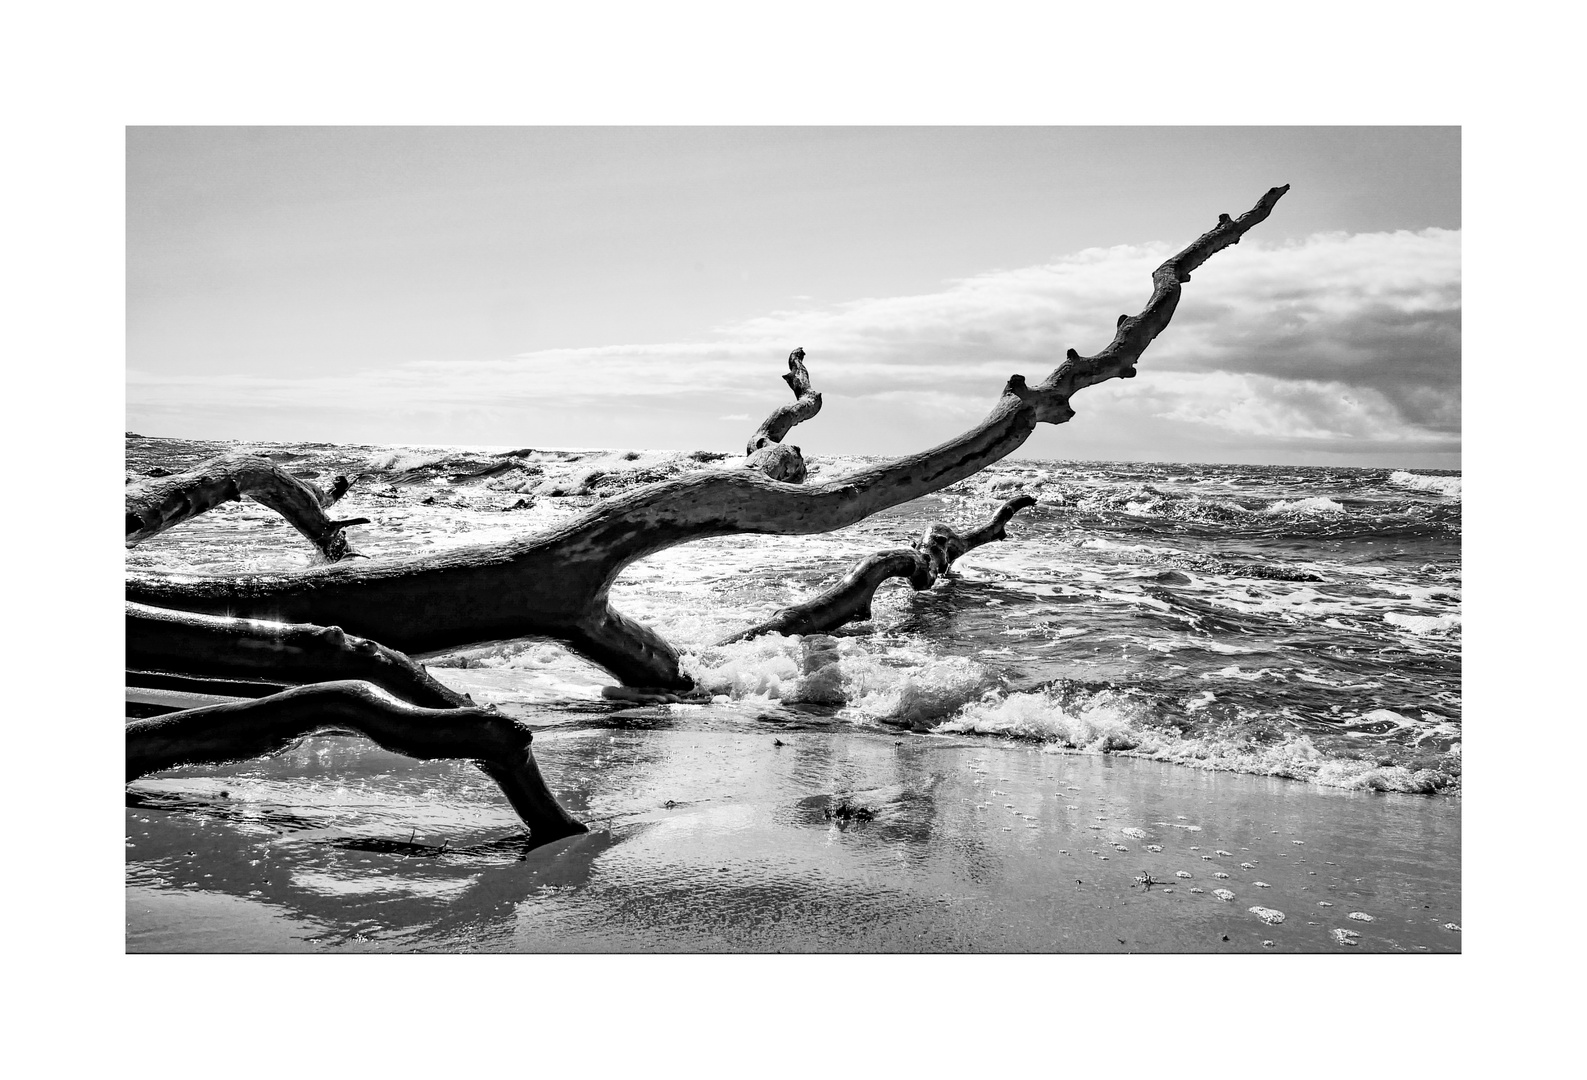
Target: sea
<point>1282,621</point>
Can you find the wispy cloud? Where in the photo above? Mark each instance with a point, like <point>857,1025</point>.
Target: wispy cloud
<point>1347,339</point>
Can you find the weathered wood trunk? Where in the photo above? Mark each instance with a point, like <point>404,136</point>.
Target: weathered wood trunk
<point>157,504</point>
<point>555,585</point>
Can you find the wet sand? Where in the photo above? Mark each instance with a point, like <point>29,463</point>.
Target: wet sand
<point>714,838</point>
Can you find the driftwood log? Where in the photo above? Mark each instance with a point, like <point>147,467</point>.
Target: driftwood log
<point>157,504</point>
<point>556,585</point>
<point>359,685</point>
<point>850,599</point>
<point>264,630</point>
<point>214,734</point>
<point>766,452</point>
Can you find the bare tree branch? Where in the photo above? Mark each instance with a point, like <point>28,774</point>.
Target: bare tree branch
<point>849,600</point>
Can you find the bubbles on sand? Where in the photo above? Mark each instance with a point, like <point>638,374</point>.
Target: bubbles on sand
<point>1134,833</point>
<point>1359,916</point>
<point>1223,894</point>
<point>1271,916</point>
<point>1346,937</point>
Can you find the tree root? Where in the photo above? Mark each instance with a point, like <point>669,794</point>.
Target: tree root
<point>850,599</point>
<point>157,504</point>
<point>214,734</point>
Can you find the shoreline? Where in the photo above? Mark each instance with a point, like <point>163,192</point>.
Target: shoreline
<point>719,839</point>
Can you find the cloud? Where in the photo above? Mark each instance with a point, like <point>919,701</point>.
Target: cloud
<point>1353,339</point>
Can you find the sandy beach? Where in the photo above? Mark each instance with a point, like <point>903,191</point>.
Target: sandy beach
<point>710,837</point>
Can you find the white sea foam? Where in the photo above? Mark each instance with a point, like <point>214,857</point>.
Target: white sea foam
<point>905,687</point>
<point>1316,504</point>
<point>1424,624</point>
<point>1103,724</point>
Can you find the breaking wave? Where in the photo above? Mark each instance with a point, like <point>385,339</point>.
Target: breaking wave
<point>1438,485</point>
<point>905,687</point>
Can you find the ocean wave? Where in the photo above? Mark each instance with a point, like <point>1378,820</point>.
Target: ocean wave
<point>1117,722</point>
<point>402,461</point>
<point>1439,485</point>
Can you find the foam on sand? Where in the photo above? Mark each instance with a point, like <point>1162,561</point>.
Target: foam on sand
<point>1121,723</point>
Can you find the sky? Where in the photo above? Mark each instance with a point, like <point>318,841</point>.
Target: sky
<point>642,287</point>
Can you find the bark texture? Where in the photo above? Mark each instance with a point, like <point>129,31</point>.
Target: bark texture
<point>214,734</point>
<point>555,585</point>
<point>850,599</point>
<point>224,648</point>
<point>155,505</point>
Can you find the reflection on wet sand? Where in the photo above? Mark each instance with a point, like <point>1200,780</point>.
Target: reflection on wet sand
<point>710,835</point>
